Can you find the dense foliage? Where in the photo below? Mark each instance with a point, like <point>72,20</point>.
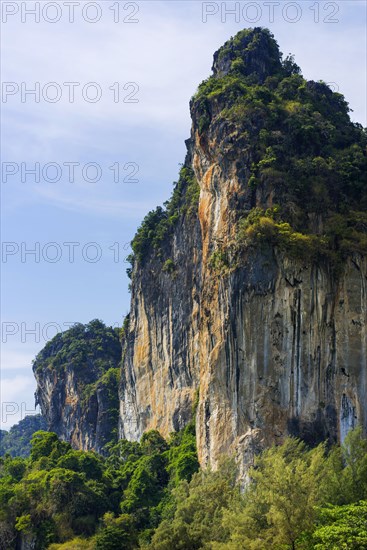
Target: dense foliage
<point>297,499</point>
<point>60,494</point>
<point>17,441</point>
<point>159,223</point>
<point>151,495</point>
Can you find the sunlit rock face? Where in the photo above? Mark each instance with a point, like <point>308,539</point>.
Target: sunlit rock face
<point>270,346</point>
<point>160,374</point>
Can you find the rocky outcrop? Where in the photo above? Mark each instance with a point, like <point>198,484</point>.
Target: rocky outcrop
<point>270,343</point>
<point>77,385</point>
<point>249,289</point>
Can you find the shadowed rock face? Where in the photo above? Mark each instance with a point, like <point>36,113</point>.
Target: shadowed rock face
<point>271,345</point>
<point>289,356</point>
<point>278,347</point>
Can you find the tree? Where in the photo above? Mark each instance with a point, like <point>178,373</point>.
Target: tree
<point>84,462</point>
<point>147,483</point>
<point>278,506</point>
<point>342,528</point>
<point>197,511</point>
<point>117,533</point>
<point>152,442</point>
<point>47,444</point>
<point>354,452</point>
<point>183,459</point>
<point>345,476</point>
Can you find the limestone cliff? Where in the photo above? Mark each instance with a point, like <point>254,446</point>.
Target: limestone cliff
<point>249,288</point>
<point>77,378</point>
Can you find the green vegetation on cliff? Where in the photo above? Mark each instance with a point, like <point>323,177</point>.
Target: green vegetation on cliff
<point>80,346</point>
<point>293,145</point>
<point>84,362</point>
<point>151,495</point>
<point>293,140</point>
<point>159,223</point>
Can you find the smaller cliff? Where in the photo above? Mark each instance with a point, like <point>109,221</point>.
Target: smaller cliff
<point>77,375</point>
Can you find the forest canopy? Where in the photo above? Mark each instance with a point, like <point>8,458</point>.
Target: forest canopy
<point>152,495</point>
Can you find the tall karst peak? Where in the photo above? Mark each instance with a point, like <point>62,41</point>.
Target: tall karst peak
<point>283,141</point>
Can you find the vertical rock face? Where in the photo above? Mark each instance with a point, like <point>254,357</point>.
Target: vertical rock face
<point>249,307</point>
<point>160,374</point>
<point>288,357</point>
<point>77,379</point>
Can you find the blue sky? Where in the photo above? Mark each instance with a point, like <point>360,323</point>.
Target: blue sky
<point>165,53</point>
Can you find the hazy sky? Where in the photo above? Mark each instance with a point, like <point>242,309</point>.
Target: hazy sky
<point>112,83</point>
